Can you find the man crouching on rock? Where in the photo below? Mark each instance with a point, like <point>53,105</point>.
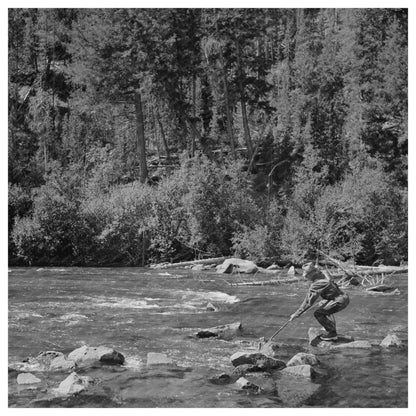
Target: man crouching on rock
<point>334,300</point>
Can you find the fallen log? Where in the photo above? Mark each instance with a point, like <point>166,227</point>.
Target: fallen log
<point>215,260</point>
<point>264,282</point>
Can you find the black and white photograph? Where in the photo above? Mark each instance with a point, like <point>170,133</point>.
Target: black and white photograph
<point>207,206</point>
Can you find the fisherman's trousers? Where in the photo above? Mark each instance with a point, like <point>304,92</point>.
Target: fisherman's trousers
<point>332,306</point>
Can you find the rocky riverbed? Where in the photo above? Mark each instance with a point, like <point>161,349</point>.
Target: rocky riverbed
<point>168,340</point>
<point>98,372</point>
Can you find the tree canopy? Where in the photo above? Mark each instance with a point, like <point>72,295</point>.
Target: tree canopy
<point>290,106</point>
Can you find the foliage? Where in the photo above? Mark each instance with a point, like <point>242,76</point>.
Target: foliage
<point>119,222</point>
<point>361,217</point>
<point>263,239</point>
<point>55,227</point>
<point>216,204</point>
<point>292,124</point>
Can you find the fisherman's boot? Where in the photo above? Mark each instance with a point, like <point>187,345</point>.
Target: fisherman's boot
<point>330,336</point>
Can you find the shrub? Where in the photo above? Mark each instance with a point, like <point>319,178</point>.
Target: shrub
<point>263,239</point>
<point>217,203</point>
<point>55,224</point>
<point>362,217</point>
<point>19,205</point>
<point>119,222</point>
<point>28,239</point>
<point>168,217</point>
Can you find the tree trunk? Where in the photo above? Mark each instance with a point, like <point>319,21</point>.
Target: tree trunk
<point>154,129</point>
<point>247,136</point>
<point>141,141</point>
<point>193,145</point>
<point>162,133</point>
<point>230,132</point>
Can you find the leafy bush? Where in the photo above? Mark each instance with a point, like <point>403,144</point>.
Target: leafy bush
<point>203,209</point>
<point>55,225</point>
<point>119,222</point>
<point>263,239</point>
<point>29,240</point>
<point>168,217</point>
<point>19,205</point>
<point>362,217</point>
<point>217,203</point>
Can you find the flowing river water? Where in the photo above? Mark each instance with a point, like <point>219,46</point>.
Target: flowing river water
<point>137,311</point>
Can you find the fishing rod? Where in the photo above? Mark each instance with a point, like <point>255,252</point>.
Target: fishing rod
<point>285,324</point>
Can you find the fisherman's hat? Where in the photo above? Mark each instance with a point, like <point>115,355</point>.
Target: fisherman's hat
<point>309,268</point>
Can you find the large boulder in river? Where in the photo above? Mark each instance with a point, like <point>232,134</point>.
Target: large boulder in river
<point>258,359</point>
<point>62,364</point>
<point>237,265</point>
<point>45,361</point>
<point>243,384</point>
<point>223,331</point>
<point>391,340</point>
<point>257,383</point>
<point>302,358</point>
<point>55,361</point>
<point>315,340</point>
<point>242,369</point>
<point>27,378</point>
<point>86,355</point>
<point>221,379</point>
<point>73,384</point>
<point>46,357</point>
<point>304,370</point>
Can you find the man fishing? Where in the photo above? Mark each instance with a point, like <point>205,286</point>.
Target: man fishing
<point>334,300</point>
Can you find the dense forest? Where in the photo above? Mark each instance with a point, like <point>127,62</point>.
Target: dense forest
<point>149,135</point>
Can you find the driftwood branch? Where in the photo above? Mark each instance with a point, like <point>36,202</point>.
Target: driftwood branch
<point>364,273</point>
<point>215,260</point>
<point>339,265</point>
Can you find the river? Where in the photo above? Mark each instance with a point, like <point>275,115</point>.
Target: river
<point>138,310</point>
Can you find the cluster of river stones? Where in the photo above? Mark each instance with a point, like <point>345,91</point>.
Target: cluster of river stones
<point>256,369</point>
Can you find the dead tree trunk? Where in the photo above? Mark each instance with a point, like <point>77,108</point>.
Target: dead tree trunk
<point>141,140</point>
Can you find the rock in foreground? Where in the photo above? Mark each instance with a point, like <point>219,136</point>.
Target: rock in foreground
<point>45,361</point>
<point>304,370</point>
<point>258,382</point>
<point>27,378</point>
<point>391,340</point>
<point>73,384</point>
<point>243,384</point>
<point>315,341</point>
<point>256,358</point>
<point>223,332</point>
<point>86,355</point>
<point>302,358</point>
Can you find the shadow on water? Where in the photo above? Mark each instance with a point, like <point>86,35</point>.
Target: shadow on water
<point>137,311</point>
